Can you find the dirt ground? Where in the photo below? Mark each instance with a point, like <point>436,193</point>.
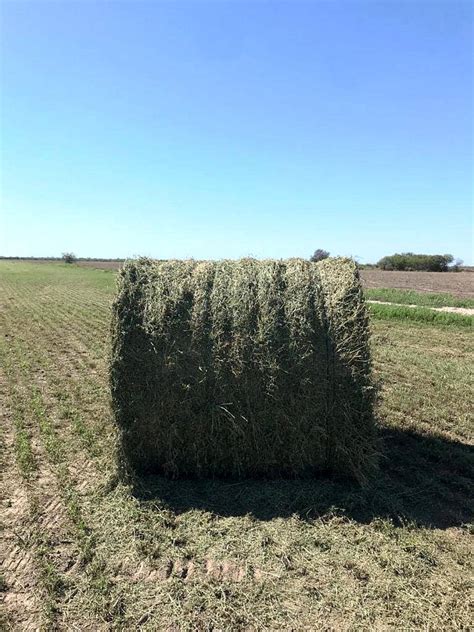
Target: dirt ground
<point>456,283</point>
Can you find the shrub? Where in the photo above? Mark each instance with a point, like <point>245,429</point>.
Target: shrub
<point>69,257</point>
<point>457,265</point>
<point>411,261</point>
<point>238,368</point>
<point>319,255</point>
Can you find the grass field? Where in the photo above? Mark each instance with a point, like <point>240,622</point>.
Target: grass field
<point>423,299</point>
<point>85,552</point>
<point>427,315</point>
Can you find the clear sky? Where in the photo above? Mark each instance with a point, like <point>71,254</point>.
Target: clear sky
<point>227,129</point>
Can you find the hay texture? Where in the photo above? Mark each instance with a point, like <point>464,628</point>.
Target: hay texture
<point>242,368</point>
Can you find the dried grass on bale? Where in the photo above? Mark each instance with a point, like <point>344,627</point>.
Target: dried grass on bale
<point>243,368</point>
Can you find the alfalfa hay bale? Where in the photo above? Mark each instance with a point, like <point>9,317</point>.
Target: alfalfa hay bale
<point>242,368</point>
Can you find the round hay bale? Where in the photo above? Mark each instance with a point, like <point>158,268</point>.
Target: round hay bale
<point>243,368</point>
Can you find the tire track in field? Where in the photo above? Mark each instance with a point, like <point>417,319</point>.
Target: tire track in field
<point>21,598</point>
<point>21,593</point>
<point>188,570</point>
<point>53,551</point>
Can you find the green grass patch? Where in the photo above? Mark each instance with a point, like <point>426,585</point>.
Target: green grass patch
<point>47,277</point>
<point>419,314</point>
<point>423,299</point>
<point>24,454</point>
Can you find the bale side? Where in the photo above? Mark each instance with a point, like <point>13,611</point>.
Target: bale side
<point>350,416</point>
<point>239,368</point>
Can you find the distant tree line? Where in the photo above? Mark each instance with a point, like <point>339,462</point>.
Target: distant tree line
<point>405,261</point>
<point>414,262</point>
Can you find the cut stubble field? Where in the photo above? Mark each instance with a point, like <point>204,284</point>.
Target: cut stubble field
<point>85,551</point>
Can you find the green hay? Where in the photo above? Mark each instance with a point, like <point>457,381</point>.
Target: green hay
<point>243,368</point>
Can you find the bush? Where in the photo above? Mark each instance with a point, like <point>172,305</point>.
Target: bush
<point>241,368</point>
<point>457,265</point>
<point>69,257</point>
<point>319,255</point>
<point>412,262</point>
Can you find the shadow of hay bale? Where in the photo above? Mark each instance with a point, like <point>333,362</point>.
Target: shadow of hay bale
<point>423,479</point>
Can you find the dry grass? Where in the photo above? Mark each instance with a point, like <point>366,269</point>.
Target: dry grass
<point>83,552</point>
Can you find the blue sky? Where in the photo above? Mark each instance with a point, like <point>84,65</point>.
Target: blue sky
<point>227,129</point>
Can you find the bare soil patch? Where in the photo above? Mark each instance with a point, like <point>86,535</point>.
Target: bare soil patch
<point>459,284</point>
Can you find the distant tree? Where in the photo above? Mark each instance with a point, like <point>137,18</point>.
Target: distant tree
<point>319,255</point>
<point>412,261</point>
<point>69,257</point>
